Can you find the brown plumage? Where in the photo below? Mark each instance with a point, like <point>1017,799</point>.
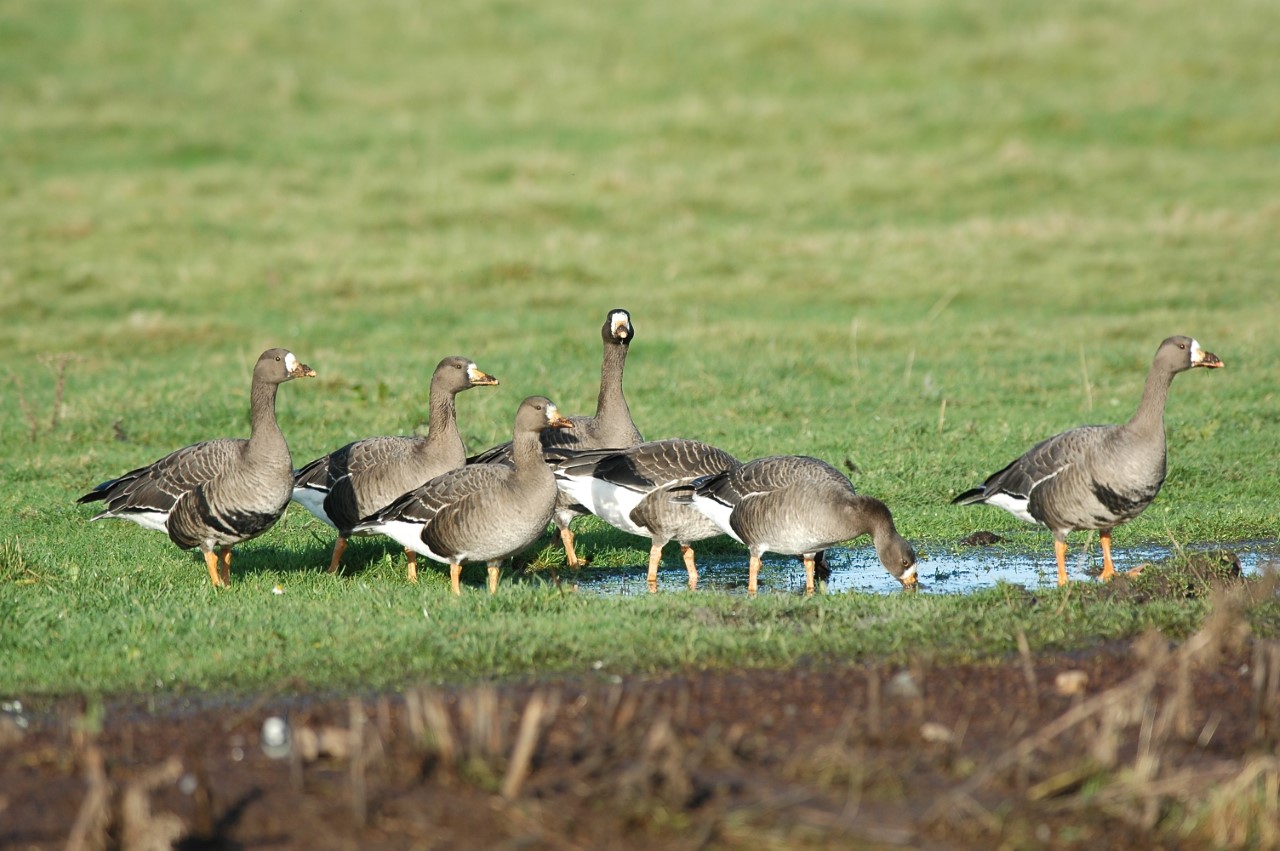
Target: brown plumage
<point>1096,476</point>
<point>215,494</point>
<point>797,505</point>
<point>480,512</point>
<point>610,427</point>
<point>353,482</point>
<point>631,490</point>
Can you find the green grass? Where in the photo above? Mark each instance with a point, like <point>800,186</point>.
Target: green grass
<point>143,626</point>
<point>914,235</point>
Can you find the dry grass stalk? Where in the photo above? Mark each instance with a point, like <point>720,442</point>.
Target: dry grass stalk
<point>1108,718</point>
<point>356,742</point>
<point>1028,667</point>
<point>109,812</point>
<point>531,725</point>
<point>1266,691</point>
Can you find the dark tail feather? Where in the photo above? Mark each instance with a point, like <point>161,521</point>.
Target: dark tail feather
<point>971,496</point>
<point>98,493</point>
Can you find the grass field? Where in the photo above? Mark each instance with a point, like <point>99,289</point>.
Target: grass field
<point>910,236</point>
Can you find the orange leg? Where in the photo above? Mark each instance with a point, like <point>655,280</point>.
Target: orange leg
<point>455,578</point>
<point>808,574</point>
<point>211,562</point>
<point>225,569</point>
<point>339,547</point>
<point>1060,551</point>
<point>655,558</point>
<point>495,571</point>
<point>570,554</point>
<point>687,554</point>
<point>413,564</point>
<point>753,575</point>
<point>1108,567</point>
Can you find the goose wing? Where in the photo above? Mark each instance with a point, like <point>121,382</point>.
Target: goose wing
<point>158,486</point>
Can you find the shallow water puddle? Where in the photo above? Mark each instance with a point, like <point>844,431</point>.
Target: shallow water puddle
<point>942,571</point>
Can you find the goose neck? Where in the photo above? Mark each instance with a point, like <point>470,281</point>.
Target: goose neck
<point>264,433</point>
<point>611,399</point>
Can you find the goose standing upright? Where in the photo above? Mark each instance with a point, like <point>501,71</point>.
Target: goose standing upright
<point>1095,476</point>
<point>480,512</point>
<point>631,490</point>
<point>353,482</point>
<point>610,427</point>
<point>797,505</point>
<point>217,493</point>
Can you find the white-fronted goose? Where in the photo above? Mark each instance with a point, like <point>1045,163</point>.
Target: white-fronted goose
<point>797,505</point>
<point>610,428</point>
<point>215,494</point>
<point>353,482</point>
<point>631,490</point>
<point>1096,476</point>
<point>480,512</point>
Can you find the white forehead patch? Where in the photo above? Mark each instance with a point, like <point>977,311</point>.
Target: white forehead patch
<point>619,319</point>
<point>473,371</point>
<point>290,362</point>
<point>1197,353</point>
<point>552,411</point>
<point>909,573</point>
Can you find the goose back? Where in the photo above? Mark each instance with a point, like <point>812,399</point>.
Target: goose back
<point>631,488</point>
<point>799,505</point>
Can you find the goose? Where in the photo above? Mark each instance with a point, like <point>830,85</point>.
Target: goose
<point>610,428</point>
<point>217,493</point>
<point>1095,476</point>
<point>630,489</point>
<point>351,483</point>
<point>480,512</point>
<point>798,505</point>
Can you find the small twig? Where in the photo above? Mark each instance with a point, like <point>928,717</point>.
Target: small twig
<point>27,411</point>
<point>526,741</point>
<point>1088,386</point>
<point>359,796</point>
<point>940,305</point>
<point>1028,668</point>
<point>853,335</point>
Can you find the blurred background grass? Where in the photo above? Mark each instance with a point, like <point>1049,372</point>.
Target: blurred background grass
<point>916,236</point>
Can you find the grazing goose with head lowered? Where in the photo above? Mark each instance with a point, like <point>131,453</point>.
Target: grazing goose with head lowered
<point>218,493</point>
<point>610,428</point>
<point>1096,476</point>
<point>353,482</point>
<point>631,490</point>
<point>480,512</point>
<point>797,505</point>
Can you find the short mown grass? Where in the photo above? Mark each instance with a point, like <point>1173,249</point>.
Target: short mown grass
<point>908,238</point>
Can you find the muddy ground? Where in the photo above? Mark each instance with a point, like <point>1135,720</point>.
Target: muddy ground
<point>1142,745</point>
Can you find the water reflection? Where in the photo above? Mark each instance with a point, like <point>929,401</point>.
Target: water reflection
<point>942,570</point>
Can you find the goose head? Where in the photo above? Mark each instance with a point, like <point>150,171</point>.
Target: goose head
<point>276,366</point>
<point>538,413</point>
<point>1178,354</point>
<point>899,558</point>
<point>617,328</point>
<point>457,373</point>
